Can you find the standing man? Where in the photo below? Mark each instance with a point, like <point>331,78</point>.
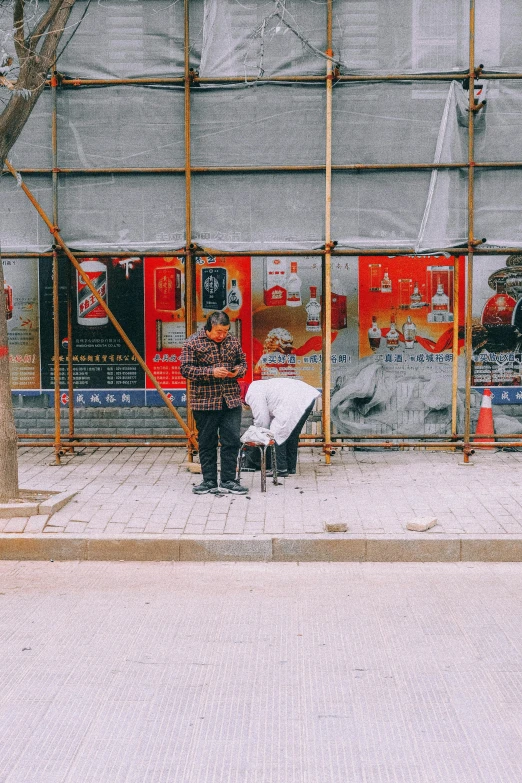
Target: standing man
<point>212,360</point>
<point>282,405</point>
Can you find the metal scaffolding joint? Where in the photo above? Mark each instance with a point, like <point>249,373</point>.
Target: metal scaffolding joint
<point>477,106</point>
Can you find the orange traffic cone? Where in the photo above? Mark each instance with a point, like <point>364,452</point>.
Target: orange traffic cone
<point>485,424</point>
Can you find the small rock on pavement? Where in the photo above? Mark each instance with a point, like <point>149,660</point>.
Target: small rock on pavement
<point>336,527</point>
<point>421,524</point>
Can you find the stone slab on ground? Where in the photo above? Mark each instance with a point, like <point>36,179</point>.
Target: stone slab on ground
<point>422,524</point>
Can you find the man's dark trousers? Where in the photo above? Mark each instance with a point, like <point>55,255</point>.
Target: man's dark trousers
<point>225,424</point>
<point>286,452</point>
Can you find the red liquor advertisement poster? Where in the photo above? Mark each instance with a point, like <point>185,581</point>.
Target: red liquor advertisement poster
<point>22,314</point>
<point>164,319</point>
<point>406,304</point>
<point>224,283</point>
<point>497,328</point>
<point>287,304</point>
<point>221,284</point>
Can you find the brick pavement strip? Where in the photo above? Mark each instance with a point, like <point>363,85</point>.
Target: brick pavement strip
<point>374,494</point>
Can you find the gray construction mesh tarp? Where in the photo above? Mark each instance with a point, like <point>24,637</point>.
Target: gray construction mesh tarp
<point>283,124</point>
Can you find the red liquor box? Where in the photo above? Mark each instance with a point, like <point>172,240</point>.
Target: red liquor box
<point>167,288</point>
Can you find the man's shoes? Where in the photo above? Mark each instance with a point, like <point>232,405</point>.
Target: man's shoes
<point>280,473</point>
<point>205,487</point>
<point>234,487</point>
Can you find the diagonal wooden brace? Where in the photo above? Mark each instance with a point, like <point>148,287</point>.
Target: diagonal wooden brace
<point>74,261</point>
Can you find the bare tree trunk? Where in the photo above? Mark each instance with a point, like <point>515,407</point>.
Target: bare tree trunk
<point>8,445</point>
<point>37,56</point>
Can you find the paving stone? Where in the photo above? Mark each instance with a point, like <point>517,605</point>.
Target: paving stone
<point>15,525</point>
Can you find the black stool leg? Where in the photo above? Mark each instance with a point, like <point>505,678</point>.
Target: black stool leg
<point>262,449</point>
<point>274,463</point>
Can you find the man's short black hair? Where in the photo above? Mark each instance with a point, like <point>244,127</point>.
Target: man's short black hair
<point>217,318</point>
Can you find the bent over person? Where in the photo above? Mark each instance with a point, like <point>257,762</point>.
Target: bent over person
<point>212,360</point>
<point>282,405</point>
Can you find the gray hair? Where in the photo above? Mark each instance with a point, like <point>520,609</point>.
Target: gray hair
<point>217,318</point>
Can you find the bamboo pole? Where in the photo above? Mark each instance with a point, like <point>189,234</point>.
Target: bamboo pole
<point>190,271</point>
<point>55,232</point>
<point>56,360</point>
<point>443,76</point>
<point>469,291</point>
<point>455,368</point>
<point>259,169</point>
<point>327,261</point>
<point>375,251</point>
<point>70,349</point>
<point>56,317</point>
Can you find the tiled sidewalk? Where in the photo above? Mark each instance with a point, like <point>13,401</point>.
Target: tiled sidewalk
<point>147,491</point>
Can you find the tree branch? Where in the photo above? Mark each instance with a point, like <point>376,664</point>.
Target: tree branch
<point>18,23</point>
<point>52,39</point>
<point>42,25</point>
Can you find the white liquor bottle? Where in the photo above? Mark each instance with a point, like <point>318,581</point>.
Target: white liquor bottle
<point>409,332</point>
<point>293,287</point>
<point>234,299</point>
<point>89,311</point>
<point>415,298</point>
<point>374,335</point>
<point>392,338</point>
<point>313,312</point>
<point>386,284</point>
<point>440,300</point>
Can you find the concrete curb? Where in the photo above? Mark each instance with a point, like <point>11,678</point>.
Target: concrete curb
<point>29,508</point>
<point>340,547</point>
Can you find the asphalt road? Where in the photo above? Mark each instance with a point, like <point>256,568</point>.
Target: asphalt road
<point>260,672</point>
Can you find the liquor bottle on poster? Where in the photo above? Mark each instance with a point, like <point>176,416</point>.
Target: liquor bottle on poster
<point>409,332</point>
<point>293,287</point>
<point>374,335</point>
<point>440,300</point>
<point>416,298</point>
<point>386,283</point>
<point>274,287</point>
<point>89,312</point>
<point>392,338</point>
<point>313,312</point>
<point>8,291</point>
<point>234,299</point>
<point>214,288</point>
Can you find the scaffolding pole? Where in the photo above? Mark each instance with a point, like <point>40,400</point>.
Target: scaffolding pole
<point>335,252</point>
<point>327,260</point>
<point>443,76</point>
<point>471,240</point>
<point>56,294</point>
<point>190,261</point>
<point>455,348</point>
